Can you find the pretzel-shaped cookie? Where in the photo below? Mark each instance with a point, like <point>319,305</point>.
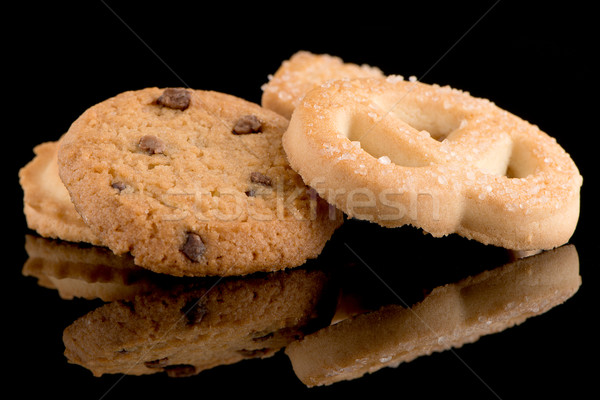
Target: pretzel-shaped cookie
<point>397,152</point>
<point>304,71</point>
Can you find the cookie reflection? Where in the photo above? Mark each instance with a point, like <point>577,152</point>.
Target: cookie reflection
<point>332,323</point>
<point>83,271</point>
<point>180,326</point>
<point>449,316</point>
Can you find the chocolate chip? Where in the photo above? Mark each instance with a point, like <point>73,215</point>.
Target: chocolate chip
<point>160,363</point>
<point>130,306</point>
<point>247,124</point>
<point>120,186</point>
<point>194,248</point>
<point>180,371</point>
<point>257,177</point>
<point>151,144</point>
<point>254,353</point>
<point>263,338</point>
<point>194,310</point>
<point>178,99</point>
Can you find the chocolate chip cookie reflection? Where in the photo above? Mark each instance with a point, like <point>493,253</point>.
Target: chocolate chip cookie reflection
<point>199,324</point>
<point>450,316</point>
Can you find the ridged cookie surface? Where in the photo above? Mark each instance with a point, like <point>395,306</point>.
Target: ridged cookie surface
<point>47,205</point>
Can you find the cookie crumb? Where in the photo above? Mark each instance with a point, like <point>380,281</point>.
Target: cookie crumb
<point>178,99</point>
<point>257,177</point>
<point>194,248</point>
<point>151,144</point>
<point>247,124</point>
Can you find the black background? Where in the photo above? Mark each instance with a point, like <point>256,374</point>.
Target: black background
<point>535,62</point>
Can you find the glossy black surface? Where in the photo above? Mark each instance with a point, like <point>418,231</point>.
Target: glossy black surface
<point>535,62</point>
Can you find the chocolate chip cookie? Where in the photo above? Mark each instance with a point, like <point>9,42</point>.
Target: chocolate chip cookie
<point>193,183</point>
